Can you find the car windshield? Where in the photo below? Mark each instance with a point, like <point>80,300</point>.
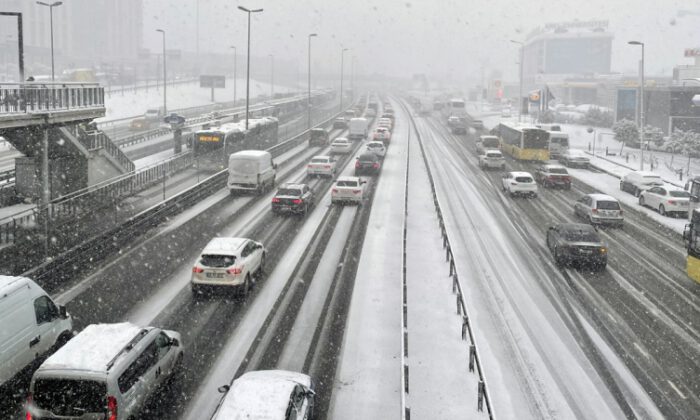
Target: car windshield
<point>524,179</point>
<point>490,142</point>
<point>608,205</point>
<point>319,160</point>
<point>557,171</point>
<point>217,261</point>
<point>576,235</point>
<point>346,183</point>
<point>289,191</point>
<point>679,194</point>
<point>70,397</point>
<point>494,155</point>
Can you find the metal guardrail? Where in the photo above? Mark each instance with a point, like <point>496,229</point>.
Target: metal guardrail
<point>22,98</point>
<point>107,243</point>
<point>467,331</point>
<point>7,175</point>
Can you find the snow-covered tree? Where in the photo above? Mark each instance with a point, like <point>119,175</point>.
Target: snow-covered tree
<point>626,131</point>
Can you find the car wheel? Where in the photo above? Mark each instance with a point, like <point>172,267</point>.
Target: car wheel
<point>590,220</point>
<point>637,192</point>
<point>662,210</point>
<point>261,269</point>
<point>533,195</point>
<point>641,200</point>
<point>622,186</point>
<point>246,286</point>
<point>558,260</point>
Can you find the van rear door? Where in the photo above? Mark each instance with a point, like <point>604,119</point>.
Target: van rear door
<point>18,329</point>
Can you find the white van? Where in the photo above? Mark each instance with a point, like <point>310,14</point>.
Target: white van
<point>251,170</point>
<point>558,144</point>
<point>31,325</point>
<point>357,129</point>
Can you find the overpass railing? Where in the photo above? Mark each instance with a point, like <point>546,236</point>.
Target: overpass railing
<point>23,98</point>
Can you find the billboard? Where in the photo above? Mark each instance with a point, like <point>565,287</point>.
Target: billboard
<point>626,108</point>
<point>210,81</point>
<point>577,55</point>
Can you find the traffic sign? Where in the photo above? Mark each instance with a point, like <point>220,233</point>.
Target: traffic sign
<point>535,96</point>
<point>174,119</point>
<point>210,81</point>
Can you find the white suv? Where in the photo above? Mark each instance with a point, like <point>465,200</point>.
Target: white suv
<point>228,263</point>
<point>519,183</point>
<point>492,158</point>
<point>348,189</point>
<point>108,371</point>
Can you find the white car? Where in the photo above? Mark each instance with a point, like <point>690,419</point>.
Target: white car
<point>376,147</point>
<point>574,158</point>
<point>348,189</point>
<point>385,122</point>
<point>268,394</point>
<point>519,183</point>
<point>321,165</point>
<point>228,263</point>
<point>382,134</point>
<point>505,113</point>
<point>492,158</point>
<point>341,145</point>
<point>637,181</point>
<point>666,199</point>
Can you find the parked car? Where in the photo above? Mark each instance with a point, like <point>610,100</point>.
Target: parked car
<point>667,200</point>
<point>251,170</point>
<point>492,158</point>
<point>318,137</point>
<point>32,325</point>
<point>348,189</point>
<point>637,181</point>
<point>269,395</point>
<point>107,371</point>
<point>377,147</point>
<point>487,142</point>
<point>367,163</point>
<point>228,263</point>
<point>551,176</point>
<point>599,209</point>
<point>519,183</point>
<point>293,198</point>
<point>577,243</point>
<point>340,123</point>
<point>321,165</point>
<point>382,133</point>
<point>341,145</point>
<point>574,158</point>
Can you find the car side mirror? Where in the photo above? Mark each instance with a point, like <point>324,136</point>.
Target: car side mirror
<point>310,392</point>
<point>174,342</point>
<point>63,312</point>
<point>224,388</point>
<point>551,228</point>
<point>363,182</point>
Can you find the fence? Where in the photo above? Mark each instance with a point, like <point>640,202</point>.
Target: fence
<point>21,98</point>
<point>467,332</point>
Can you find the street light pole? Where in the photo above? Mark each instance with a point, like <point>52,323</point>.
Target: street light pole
<point>520,83</point>
<point>272,76</point>
<point>51,6</point>
<point>234,75</point>
<point>641,106</point>
<point>20,42</point>
<point>342,56</point>
<point>308,100</point>
<point>247,81</point>
<point>165,74</point>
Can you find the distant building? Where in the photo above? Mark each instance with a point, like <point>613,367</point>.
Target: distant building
<point>569,51</point>
<point>666,107</point>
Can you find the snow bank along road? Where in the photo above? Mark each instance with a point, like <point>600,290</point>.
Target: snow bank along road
<point>293,318</point>
<point>635,323</point>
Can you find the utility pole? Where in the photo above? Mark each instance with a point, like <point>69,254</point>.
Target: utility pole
<point>51,6</point>
<point>641,106</point>
<point>342,56</point>
<point>520,84</point>
<point>308,101</point>
<point>247,82</point>
<point>165,75</point>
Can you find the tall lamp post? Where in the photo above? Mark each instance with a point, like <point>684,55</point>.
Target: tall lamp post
<point>51,6</point>
<point>342,57</point>
<point>272,76</point>
<point>234,75</point>
<point>247,77</point>
<point>641,106</point>
<point>308,100</point>
<point>20,42</point>
<point>520,83</point>
<point>165,80</point>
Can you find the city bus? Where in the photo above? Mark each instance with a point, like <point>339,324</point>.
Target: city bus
<point>523,142</point>
<point>691,233</point>
<point>213,146</point>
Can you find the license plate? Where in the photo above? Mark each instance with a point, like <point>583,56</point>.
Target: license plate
<point>215,275</point>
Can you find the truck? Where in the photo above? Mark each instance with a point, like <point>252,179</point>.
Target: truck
<point>357,129</point>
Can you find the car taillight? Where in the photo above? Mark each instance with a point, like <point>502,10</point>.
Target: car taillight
<point>275,200</point>
<point>513,183</point>
<point>357,164</point>
<point>29,407</point>
<point>327,166</point>
<point>197,269</point>
<point>112,408</point>
<point>334,190</point>
<point>671,201</point>
<point>234,270</point>
<point>376,165</point>
<point>356,191</point>
<point>594,210</point>
<point>296,201</point>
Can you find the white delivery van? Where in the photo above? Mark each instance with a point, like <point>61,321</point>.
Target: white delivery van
<point>251,170</point>
<point>31,325</point>
<point>357,129</point>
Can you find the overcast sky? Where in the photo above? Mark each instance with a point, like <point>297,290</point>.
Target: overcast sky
<point>404,37</point>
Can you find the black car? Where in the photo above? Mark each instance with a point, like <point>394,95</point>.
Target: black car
<point>577,243</point>
<point>293,198</point>
<point>367,163</point>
